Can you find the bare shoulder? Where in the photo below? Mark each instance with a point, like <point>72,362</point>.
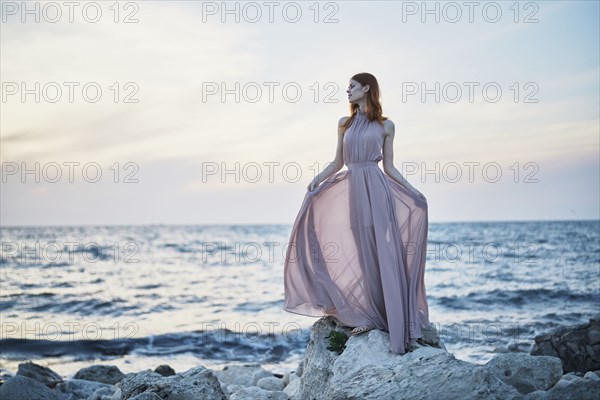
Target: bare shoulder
<point>341,123</point>
<point>389,126</point>
<point>343,120</point>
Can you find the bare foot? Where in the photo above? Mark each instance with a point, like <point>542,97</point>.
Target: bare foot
<point>361,329</point>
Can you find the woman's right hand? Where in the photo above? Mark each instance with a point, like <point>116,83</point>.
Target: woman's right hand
<point>312,185</point>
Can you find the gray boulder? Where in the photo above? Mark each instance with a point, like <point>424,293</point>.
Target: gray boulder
<point>164,370</point>
<point>81,389</point>
<point>195,383</point>
<point>100,373</point>
<point>526,373</point>
<point>578,347</point>
<point>23,388</point>
<point>39,373</point>
<point>571,387</point>
<point>271,383</point>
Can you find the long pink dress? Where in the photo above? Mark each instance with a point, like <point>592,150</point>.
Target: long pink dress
<point>358,246</point>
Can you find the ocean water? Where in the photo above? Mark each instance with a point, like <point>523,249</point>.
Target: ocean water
<point>141,296</point>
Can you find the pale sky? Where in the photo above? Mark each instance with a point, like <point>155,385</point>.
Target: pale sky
<point>542,134</point>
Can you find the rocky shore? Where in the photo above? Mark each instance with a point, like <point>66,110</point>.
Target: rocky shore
<point>563,364</point>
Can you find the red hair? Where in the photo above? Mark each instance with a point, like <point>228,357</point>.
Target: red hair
<point>373,106</point>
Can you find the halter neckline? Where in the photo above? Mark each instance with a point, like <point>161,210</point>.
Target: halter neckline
<point>359,113</point>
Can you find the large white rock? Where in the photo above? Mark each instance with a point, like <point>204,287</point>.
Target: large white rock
<point>367,369</point>
<point>315,368</point>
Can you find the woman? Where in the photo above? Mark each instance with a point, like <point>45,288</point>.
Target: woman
<point>358,246</point>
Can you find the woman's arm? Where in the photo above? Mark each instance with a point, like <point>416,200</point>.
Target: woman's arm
<point>388,159</point>
<point>336,164</point>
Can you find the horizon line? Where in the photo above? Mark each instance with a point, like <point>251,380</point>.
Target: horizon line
<point>288,224</point>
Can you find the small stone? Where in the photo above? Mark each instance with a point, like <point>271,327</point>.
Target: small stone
<point>101,373</point>
<point>260,374</point>
<point>255,393</point>
<point>271,384</point>
<point>164,370</point>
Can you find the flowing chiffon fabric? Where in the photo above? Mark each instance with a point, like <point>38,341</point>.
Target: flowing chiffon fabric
<point>358,246</point>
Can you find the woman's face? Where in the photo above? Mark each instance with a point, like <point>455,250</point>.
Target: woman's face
<point>355,91</point>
